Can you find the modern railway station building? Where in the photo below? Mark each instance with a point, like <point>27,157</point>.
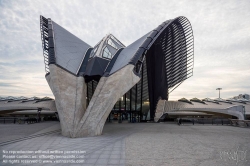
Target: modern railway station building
<point>89,82</point>
<point>111,81</point>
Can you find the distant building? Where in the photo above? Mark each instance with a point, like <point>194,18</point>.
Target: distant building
<point>242,96</point>
<point>23,106</point>
<point>206,108</point>
<point>246,96</point>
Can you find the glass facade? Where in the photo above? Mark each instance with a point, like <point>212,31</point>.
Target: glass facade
<point>133,106</point>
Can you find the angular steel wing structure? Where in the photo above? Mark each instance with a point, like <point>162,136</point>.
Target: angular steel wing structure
<point>89,82</point>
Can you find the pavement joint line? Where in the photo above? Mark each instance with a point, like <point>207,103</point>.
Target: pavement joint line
<point>28,137</point>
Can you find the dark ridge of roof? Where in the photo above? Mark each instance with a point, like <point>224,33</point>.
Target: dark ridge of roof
<point>96,67</point>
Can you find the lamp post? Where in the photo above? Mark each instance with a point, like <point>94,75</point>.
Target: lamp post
<point>219,91</point>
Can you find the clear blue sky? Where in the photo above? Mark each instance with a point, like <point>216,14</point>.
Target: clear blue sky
<point>221,39</point>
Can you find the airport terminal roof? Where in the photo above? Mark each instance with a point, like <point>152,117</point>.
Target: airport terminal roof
<point>23,99</point>
<point>217,103</point>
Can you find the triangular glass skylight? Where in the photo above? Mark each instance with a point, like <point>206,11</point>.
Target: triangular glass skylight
<point>107,47</point>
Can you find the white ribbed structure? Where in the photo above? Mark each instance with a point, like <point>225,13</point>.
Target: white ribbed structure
<point>13,106</point>
<point>234,109</point>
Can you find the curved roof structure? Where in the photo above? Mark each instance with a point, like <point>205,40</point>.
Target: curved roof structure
<point>173,39</point>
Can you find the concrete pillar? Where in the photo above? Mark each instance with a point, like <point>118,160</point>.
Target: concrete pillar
<point>108,91</point>
<point>70,97</point>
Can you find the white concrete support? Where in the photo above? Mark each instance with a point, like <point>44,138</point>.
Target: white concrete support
<point>160,108</point>
<point>108,91</point>
<point>70,97</point>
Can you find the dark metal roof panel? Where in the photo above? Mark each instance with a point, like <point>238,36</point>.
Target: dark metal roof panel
<point>69,49</point>
<point>96,66</point>
<point>127,54</point>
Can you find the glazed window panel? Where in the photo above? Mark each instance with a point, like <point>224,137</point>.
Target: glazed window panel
<point>118,42</point>
<point>111,43</point>
<point>106,53</point>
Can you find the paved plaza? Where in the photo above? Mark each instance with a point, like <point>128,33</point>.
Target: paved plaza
<point>138,144</point>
